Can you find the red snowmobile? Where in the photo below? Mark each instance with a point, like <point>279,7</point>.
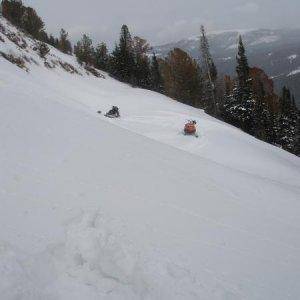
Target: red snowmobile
<point>190,128</point>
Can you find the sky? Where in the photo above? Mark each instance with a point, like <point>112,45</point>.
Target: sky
<point>163,21</point>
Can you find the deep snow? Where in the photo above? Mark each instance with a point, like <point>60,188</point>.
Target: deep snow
<point>93,208</point>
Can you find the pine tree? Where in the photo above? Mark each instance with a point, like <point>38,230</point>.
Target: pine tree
<point>53,41</point>
<point>297,135</point>
<point>210,77</point>
<point>43,36</point>
<point>84,50</point>
<point>142,72</point>
<point>64,44</point>
<point>272,128</point>
<point>287,134</point>
<point>102,57</point>
<point>123,64</point>
<point>239,108</point>
<point>242,68</point>
<point>156,77</point>
<point>31,22</point>
<point>262,124</point>
<point>13,11</point>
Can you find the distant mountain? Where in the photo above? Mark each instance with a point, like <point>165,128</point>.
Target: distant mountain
<point>276,51</point>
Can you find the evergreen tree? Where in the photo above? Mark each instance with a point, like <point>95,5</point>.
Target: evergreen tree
<point>262,125</point>
<point>272,128</point>
<point>53,41</point>
<point>287,134</point>
<point>31,22</point>
<point>242,68</point>
<point>142,72</point>
<point>297,135</point>
<point>84,50</point>
<point>13,11</point>
<point>64,44</point>
<point>239,107</point>
<point>209,77</point>
<point>23,17</point>
<point>123,64</point>
<point>43,36</point>
<point>156,77</point>
<point>244,94</point>
<point>102,57</point>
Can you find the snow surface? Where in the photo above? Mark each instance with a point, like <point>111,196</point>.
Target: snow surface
<point>130,208</point>
<point>227,58</point>
<point>292,57</point>
<point>237,31</point>
<point>233,46</point>
<point>265,40</point>
<point>295,72</point>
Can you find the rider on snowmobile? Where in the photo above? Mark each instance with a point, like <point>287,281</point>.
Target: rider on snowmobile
<point>114,112</point>
<point>190,128</point>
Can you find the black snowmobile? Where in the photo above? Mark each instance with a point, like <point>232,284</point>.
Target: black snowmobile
<point>113,113</point>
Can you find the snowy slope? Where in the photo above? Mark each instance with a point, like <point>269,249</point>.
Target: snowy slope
<point>130,209</point>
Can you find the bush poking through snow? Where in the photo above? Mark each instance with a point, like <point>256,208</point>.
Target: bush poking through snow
<point>48,65</point>
<point>19,61</point>
<point>43,49</point>
<point>13,37</point>
<point>93,71</point>
<point>68,67</point>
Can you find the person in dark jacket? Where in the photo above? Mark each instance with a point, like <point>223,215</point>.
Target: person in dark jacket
<point>114,112</point>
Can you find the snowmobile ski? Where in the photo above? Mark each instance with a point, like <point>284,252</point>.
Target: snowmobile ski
<point>193,134</point>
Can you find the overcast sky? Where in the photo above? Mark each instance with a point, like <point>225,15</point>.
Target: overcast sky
<point>162,21</point>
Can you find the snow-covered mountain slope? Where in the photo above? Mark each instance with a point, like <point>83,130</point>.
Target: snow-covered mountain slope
<point>93,208</point>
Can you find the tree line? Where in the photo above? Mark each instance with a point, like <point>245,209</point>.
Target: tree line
<point>129,61</point>
<point>27,19</point>
<point>246,101</point>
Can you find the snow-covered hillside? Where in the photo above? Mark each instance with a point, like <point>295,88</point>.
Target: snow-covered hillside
<point>93,208</point>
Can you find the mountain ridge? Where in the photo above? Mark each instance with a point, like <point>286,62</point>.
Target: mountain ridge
<point>269,49</point>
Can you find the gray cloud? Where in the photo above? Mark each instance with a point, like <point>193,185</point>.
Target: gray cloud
<point>162,21</point>
<point>247,8</point>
